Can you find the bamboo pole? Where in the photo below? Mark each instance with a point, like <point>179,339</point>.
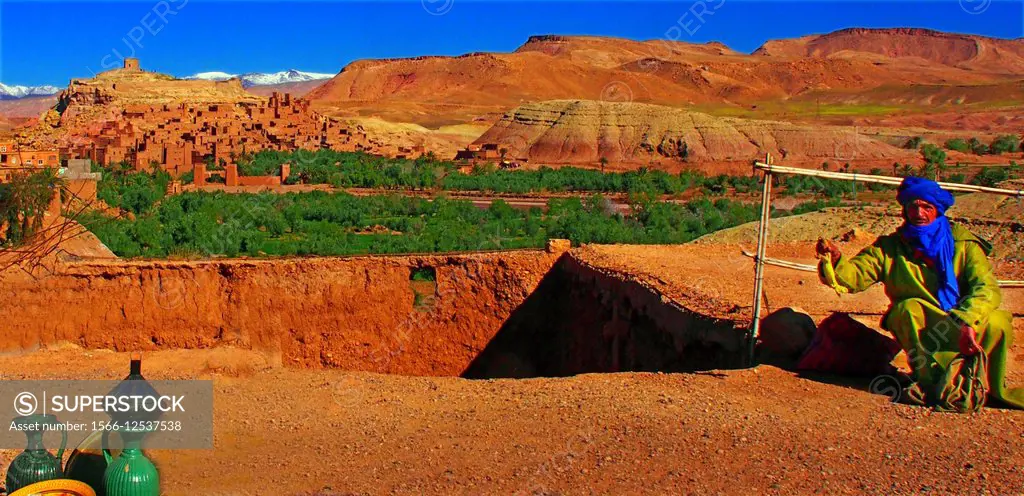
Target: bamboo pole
<point>869,178</point>
<point>762,242</point>
<point>777,262</point>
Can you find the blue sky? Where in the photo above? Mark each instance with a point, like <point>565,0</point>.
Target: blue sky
<point>49,42</point>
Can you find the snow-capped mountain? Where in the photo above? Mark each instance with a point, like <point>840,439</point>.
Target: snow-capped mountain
<point>263,79</point>
<point>15,92</point>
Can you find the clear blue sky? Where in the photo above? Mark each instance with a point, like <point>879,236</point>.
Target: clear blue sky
<point>49,42</point>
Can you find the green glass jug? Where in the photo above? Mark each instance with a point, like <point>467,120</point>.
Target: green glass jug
<point>36,464</point>
<point>131,473</point>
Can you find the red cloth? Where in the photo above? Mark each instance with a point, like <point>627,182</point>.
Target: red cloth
<point>842,345</point>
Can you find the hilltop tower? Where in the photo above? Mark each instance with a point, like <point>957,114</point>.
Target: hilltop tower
<point>131,64</point>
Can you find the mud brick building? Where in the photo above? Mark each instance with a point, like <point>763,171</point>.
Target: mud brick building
<point>15,159</point>
<point>490,152</point>
<point>176,138</point>
<point>147,119</point>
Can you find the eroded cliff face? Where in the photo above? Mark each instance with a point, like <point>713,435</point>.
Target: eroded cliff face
<point>359,313</point>
<point>584,131</point>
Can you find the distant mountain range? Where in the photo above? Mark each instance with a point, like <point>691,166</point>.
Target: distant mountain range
<point>263,79</point>
<point>16,92</point>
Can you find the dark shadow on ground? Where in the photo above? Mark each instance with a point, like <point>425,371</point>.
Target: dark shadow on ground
<point>582,320</point>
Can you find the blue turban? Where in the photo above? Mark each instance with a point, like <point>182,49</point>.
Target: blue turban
<point>935,240</point>
<point>919,188</point>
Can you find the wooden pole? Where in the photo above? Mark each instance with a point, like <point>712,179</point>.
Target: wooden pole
<point>868,178</point>
<point>762,242</point>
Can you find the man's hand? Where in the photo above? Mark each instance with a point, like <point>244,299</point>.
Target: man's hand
<point>826,247</point>
<point>969,341</point>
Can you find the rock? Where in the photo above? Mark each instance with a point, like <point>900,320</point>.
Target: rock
<point>558,245</point>
<point>785,334</point>
<point>855,234</point>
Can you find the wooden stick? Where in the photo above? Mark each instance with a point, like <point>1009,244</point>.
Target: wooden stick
<point>814,268</point>
<point>762,244</point>
<point>868,178</point>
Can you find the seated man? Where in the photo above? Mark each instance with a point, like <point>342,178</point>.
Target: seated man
<point>944,298</point>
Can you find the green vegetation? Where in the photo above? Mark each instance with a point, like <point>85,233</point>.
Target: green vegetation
<point>348,169</point>
<point>1002,144</point>
<point>1005,144</point>
<point>933,155</point>
<point>992,176</point>
<point>123,187</point>
<point>361,170</point>
<point>829,188</point>
<point>23,203</point>
<point>958,145</point>
<point>978,147</point>
<point>572,179</point>
<point>423,274</point>
<point>320,223</point>
<point>913,143</point>
<point>799,108</point>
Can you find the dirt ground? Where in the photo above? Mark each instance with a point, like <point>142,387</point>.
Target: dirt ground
<point>762,430</point>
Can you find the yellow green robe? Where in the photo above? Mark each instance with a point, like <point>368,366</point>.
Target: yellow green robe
<point>929,335</point>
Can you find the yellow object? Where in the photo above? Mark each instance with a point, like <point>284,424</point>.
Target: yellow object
<point>56,487</point>
<point>828,273</point>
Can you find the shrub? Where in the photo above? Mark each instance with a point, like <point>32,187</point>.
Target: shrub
<point>23,203</point>
<point>977,147</point>
<point>1005,144</point>
<point>991,176</point>
<point>122,187</point>
<point>933,155</point>
<point>957,144</point>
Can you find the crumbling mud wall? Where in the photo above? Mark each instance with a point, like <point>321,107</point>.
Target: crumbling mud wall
<point>504,314</point>
<point>356,313</point>
<point>584,319</point>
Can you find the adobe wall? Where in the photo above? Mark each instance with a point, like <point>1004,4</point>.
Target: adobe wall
<point>503,314</point>
<point>353,313</point>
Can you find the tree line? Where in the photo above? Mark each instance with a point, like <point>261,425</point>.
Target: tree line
<point>201,224</point>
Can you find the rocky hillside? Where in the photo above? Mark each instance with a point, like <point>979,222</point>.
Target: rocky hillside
<point>86,104</point>
<point>663,72</point>
<point>970,52</point>
<point>122,87</point>
<point>584,131</point>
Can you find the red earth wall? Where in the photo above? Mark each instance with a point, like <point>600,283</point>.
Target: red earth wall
<point>353,313</point>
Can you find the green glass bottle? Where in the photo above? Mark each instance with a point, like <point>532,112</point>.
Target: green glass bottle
<point>131,473</point>
<point>35,464</point>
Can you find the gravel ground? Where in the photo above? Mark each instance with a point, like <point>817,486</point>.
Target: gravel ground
<point>762,430</point>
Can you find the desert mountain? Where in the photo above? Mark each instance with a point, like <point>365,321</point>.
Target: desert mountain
<point>584,131</point>
<point>28,107</point>
<point>436,90</point>
<point>263,79</point>
<point>33,106</point>
<point>970,52</point>
<point>120,88</point>
<point>13,92</point>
